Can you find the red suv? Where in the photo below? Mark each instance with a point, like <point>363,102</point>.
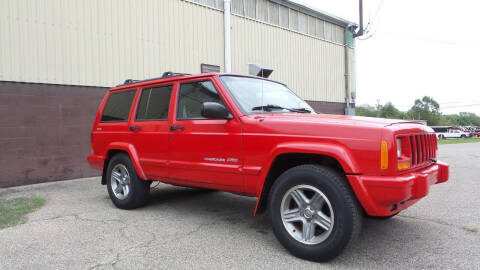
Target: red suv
<point>316,174</point>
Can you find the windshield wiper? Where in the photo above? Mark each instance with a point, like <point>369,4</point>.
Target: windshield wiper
<point>271,107</point>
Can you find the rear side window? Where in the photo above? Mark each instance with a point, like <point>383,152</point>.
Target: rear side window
<point>154,103</point>
<point>192,96</point>
<point>118,106</point>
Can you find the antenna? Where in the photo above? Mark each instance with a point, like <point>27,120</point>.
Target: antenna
<point>262,104</point>
<point>262,72</point>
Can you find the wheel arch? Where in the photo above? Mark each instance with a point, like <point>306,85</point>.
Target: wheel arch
<point>129,149</point>
<point>332,156</point>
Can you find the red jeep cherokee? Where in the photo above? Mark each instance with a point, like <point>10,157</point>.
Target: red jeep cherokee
<point>316,174</point>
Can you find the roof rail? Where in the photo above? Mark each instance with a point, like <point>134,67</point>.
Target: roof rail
<point>166,74</point>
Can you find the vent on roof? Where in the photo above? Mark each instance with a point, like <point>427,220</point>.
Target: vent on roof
<point>206,68</point>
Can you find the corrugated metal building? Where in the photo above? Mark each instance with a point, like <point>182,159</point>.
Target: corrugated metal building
<point>58,57</point>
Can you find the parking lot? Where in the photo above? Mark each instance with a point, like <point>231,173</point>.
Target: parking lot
<point>79,228</point>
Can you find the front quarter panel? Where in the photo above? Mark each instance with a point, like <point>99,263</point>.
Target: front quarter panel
<point>266,138</point>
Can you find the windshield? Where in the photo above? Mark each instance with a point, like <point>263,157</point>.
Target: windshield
<point>256,95</point>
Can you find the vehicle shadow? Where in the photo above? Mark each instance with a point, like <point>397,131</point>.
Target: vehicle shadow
<point>382,241</point>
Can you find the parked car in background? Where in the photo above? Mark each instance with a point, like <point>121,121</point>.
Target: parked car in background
<point>445,132</point>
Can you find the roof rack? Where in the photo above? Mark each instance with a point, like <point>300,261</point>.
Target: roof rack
<point>166,74</point>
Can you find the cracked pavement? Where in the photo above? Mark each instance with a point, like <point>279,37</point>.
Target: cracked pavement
<point>79,228</point>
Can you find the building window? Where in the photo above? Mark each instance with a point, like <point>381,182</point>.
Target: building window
<point>250,7</point>
<point>154,103</point>
<point>294,20</point>
<point>273,15</point>
<point>238,7</point>
<point>284,17</point>
<point>262,10</point>
<point>312,21</point>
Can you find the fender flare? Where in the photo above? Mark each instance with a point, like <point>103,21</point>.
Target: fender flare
<point>338,152</point>
<point>132,153</point>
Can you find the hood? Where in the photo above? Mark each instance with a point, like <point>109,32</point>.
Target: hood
<point>334,119</point>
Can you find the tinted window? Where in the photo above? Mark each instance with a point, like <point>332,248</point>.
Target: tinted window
<point>192,96</point>
<point>118,106</point>
<point>154,103</point>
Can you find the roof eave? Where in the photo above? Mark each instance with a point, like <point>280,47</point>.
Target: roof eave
<point>314,12</point>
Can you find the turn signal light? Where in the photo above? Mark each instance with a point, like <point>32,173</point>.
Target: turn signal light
<point>403,165</point>
<point>384,156</point>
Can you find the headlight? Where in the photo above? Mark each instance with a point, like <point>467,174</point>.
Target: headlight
<point>399,147</point>
<point>403,153</point>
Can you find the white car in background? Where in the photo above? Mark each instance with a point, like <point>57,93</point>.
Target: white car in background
<point>453,133</point>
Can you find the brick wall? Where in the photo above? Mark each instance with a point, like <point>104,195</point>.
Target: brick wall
<point>45,131</point>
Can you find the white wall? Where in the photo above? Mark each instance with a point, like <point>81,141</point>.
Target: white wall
<point>102,43</point>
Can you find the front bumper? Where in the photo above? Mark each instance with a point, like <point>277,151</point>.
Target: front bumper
<point>387,195</point>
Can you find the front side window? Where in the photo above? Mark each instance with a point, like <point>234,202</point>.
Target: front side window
<point>192,96</point>
<point>118,106</point>
<point>154,103</point>
<point>254,95</point>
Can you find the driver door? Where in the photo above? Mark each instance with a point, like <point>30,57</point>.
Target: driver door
<point>204,152</point>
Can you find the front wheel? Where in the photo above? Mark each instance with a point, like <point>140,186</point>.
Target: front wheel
<point>125,188</point>
<point>313,212</point>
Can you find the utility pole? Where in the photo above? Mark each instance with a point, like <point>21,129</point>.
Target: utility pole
<point>360,10</point>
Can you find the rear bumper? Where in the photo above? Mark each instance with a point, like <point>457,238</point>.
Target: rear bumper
<point>96,161</point>
<point>387,195</point>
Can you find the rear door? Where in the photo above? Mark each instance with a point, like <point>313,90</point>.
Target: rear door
<point>113,124</point>
<point>150,129</point>
<point>204,151</point>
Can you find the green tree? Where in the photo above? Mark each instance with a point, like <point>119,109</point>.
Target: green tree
<point>389,111</point>
<point>463,119</point>
<point>366,110</point>
<point>426,109</point>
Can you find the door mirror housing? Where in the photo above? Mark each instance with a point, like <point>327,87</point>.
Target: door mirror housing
<point>214,110</point>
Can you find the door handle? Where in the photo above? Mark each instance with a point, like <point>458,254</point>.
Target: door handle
<point>173,128</point>
<point>133,128</point>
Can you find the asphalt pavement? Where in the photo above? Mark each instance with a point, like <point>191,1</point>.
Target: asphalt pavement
<point>79,228</point>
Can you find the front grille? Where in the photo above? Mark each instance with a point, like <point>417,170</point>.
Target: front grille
<point>424,147</point>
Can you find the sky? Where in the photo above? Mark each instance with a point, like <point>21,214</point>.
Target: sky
<point>416,48</point>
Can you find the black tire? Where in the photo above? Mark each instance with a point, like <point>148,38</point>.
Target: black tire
<point>463,136</point>
<point>347,212</point>
<point>139,189</point>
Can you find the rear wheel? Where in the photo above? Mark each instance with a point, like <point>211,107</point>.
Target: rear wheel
<point>463,136</point>
<point>125,188</point>
<point>313,212</point>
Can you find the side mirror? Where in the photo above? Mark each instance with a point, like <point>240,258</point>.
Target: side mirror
<point>215,110</point>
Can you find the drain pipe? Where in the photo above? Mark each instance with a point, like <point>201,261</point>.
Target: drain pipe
<point>227,21</point>
<point>347,81</point>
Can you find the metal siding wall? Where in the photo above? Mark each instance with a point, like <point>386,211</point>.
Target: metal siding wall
<point>313,68</point>
<point>101,43</point>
